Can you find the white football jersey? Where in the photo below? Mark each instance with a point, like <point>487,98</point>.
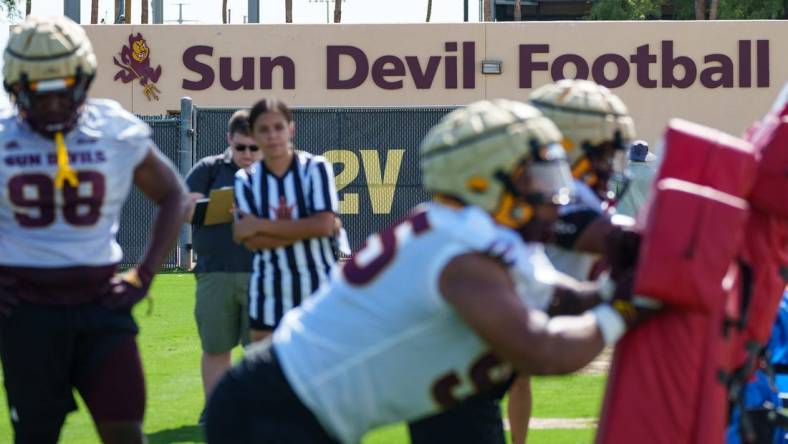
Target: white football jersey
<point>574,263</point>
<point>42,226</point>
<point>380,344</point>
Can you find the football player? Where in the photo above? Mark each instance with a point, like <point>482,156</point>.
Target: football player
<point>596,129</point>
<point>67,167</point>
<point>597,132</point>
<point>432,311</point>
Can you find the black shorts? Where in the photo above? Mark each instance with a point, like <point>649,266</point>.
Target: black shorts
<point>253,403</point>
<point>48,351</point>
<point>475,421</point>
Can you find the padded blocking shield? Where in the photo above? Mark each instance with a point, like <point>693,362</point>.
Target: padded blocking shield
<point>664,385</point>
<point>770,138</point>
<point>692,235</point>
<point>694,222</point>
<point>709,157</point>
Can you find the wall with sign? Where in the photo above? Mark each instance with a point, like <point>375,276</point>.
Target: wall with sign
<point>719,73</point>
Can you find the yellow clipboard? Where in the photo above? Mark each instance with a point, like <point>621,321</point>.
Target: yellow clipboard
<point>215,209</point>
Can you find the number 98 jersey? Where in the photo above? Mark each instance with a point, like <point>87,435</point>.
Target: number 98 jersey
<point>46,227</point>
<point>379,344</point>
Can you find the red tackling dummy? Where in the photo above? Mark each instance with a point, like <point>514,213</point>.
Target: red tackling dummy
<point>770,138</point>
<point>766,249</point>
<point>663,386</point>
<point>694,225</point>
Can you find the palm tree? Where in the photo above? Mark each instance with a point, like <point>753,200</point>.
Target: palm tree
<point>224,11</point>
<point>288,11</point>
<point>518,10</point>
<point>713,9</point>
<point>337,11</point>
<point>429,10</point>
<point>700,9</point>
<point>94,7</point>
<point>487,16</point>
<point>128,12</point>
<point>144,12</point>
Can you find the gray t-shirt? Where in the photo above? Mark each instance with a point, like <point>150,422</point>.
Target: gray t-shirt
<point>213,244</point>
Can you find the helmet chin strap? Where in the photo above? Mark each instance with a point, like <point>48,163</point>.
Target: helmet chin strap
<point>64,171</point>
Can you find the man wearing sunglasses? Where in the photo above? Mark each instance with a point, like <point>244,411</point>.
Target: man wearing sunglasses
<point>223,267</point>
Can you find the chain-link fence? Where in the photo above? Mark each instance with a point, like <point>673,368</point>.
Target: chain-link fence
<point>138,212</point>
<point>374,152</point>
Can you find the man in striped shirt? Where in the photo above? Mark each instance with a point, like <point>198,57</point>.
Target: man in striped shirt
<point>286,214</point>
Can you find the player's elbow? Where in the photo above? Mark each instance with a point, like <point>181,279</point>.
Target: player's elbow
<point>325,226</point>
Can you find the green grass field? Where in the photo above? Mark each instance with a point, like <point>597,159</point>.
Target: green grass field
<point>171,356</point>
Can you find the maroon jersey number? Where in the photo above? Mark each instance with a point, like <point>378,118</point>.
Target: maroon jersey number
<point>485,373</point>
<point>358,274</point>
<point>34,197</point>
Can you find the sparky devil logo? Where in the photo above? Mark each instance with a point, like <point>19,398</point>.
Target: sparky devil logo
<point>134,64</point>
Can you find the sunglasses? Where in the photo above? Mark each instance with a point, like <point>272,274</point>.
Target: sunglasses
<point>251,148</point>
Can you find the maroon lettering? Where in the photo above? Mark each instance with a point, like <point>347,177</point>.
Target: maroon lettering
<point>643,59</point>
<point>745,64</point>
<point>192,64</point>
<point>581,67</point>
<point>488,371</point>
<point>360,62</point>
<point>84,209</point>
<point>451,66</point>
<point>723,72</point>
<point>35,193</point>
<point>468,65</point>
<point>385,244</point>
<point>423,79</point>
<point>622,70</point>
<point>226,76</point>
<point>267,65</point>
<point>485,373</point>
<point>528,65</point>
<point>762,66</point>
<point>443,390</point>
<point>669,64</point>
<point>380,71</point>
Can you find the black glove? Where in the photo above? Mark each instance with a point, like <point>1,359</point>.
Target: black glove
<point>8,298</point>
<point>622,247</point>
<point>126,289</point>
<point>632,308</point>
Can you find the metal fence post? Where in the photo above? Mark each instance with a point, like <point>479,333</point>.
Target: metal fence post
<point>185,147</point>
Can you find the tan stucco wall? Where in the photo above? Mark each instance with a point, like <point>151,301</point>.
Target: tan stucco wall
<point>728,108</point>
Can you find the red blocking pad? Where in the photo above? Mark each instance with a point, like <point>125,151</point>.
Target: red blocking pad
<point>691,237</point>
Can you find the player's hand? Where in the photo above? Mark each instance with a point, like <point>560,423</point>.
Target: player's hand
<point>126,289</point>
<point>634,309</point>
<point>246,226</point>
<point>622,246</point>
<point>8,299</point>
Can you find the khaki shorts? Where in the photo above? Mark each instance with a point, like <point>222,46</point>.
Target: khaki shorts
<point>221,310</point>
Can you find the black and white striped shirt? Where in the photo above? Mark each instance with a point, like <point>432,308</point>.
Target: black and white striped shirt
<point>283,277</point>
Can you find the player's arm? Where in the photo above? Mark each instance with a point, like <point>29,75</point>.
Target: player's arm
<point>320,224</point>
<point>572,297</point>
<point>156,178</point>
<point>481,291</point>
<point>262,242</point>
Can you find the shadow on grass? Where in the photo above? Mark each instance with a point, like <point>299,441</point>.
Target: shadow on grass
<point>183,434</point>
